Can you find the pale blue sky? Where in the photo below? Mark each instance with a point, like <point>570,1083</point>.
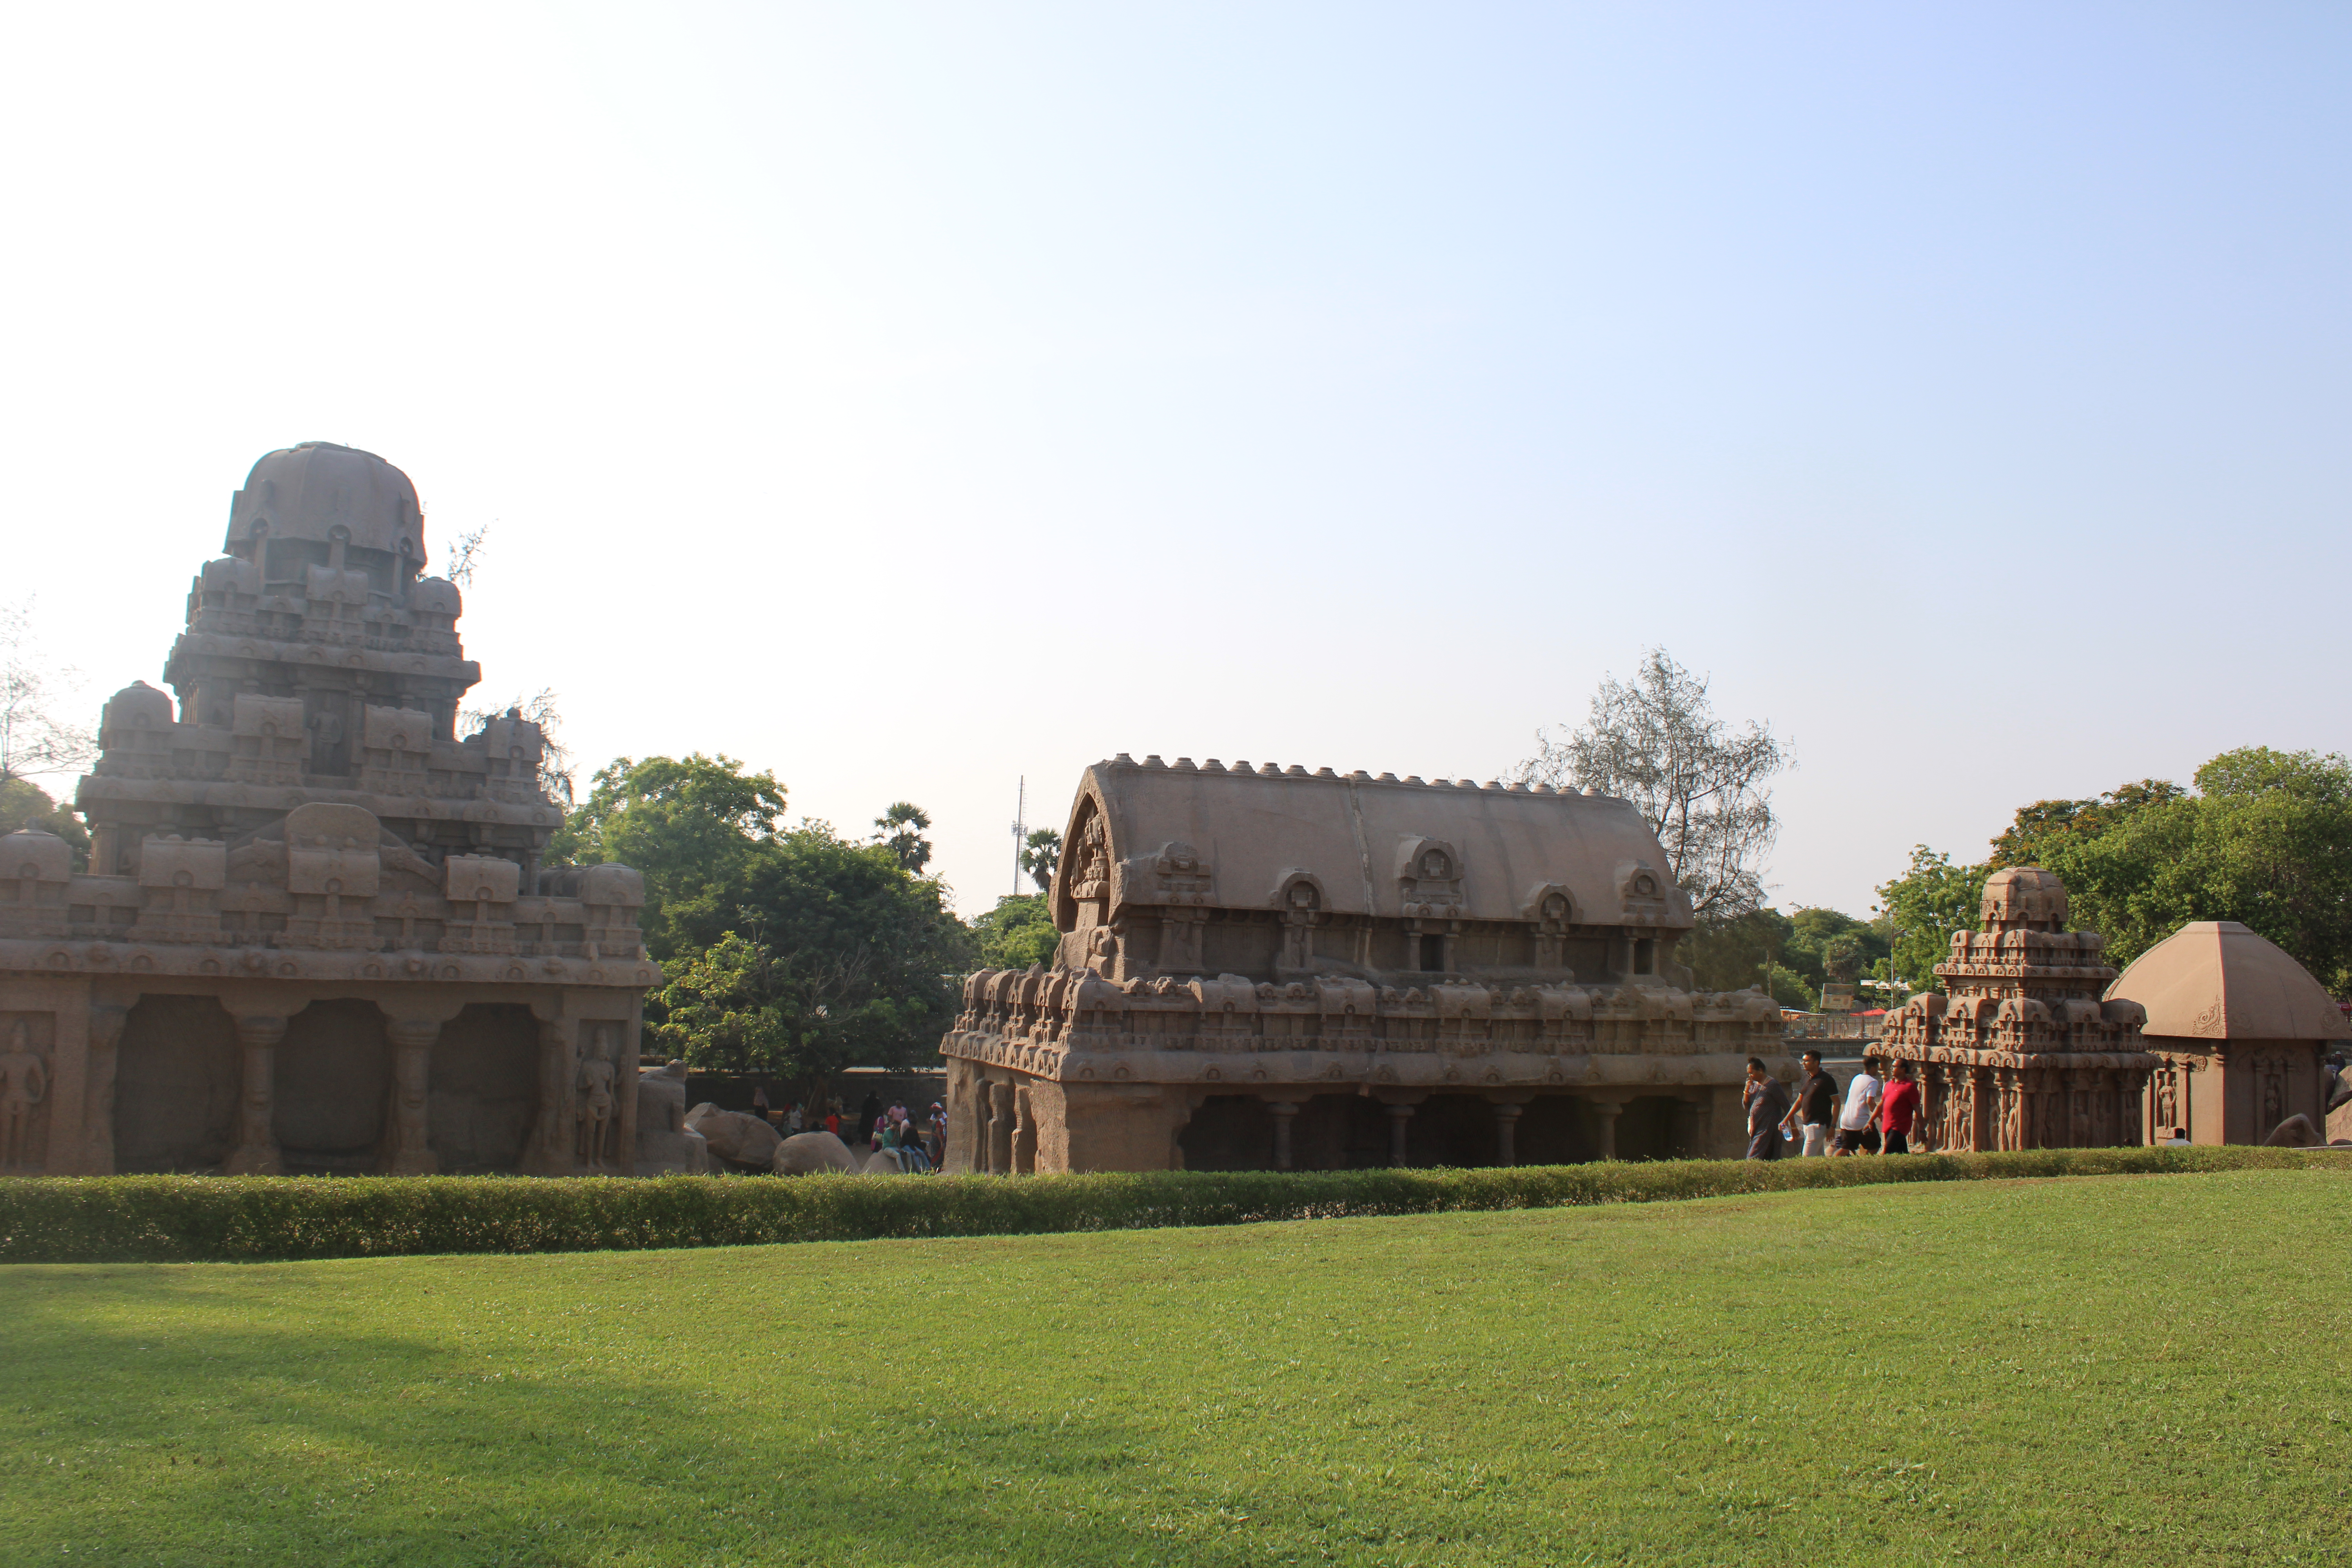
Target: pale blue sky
<point>911,397</point>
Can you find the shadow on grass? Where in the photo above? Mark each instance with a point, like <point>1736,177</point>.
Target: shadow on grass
<point>319,1442</point>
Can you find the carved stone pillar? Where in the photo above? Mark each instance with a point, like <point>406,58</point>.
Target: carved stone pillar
<point>98,1106</point>
<point>1024,1134</point>
<point>1400,1118</point>
<point>1506,1128</point>
<point>550,1154</point>
<point>255,1153</point>
<point>1604,1128</point>
<point>1284,1112</point>
<point>407,1147</point>
<point>1000,1128</point>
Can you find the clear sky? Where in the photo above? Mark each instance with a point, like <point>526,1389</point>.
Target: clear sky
<point>911,397</point>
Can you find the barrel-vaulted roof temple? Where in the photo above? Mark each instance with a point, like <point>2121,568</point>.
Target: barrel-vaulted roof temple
<point>315,934</point>
<point>1265,967</point>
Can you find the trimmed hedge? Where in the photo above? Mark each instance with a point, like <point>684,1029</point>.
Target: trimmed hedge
<point>186,1219</point>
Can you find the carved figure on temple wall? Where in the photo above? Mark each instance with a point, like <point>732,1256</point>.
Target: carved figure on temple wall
<point>595,1104</point>
<point>24,1090</point>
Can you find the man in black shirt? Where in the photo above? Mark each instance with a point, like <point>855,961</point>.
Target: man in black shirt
<point>1816,1106</point>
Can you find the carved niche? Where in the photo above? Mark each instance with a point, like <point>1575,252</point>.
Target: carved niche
<point>26,1042</point>
<point>1429,877</point>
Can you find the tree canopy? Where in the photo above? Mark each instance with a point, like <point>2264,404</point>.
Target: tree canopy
<point>690,826</point>
<point>1019,931</point>
<point>791,952</point>
<point>2263,838</point>
<point>1657,741</point>
<point>24,804</point>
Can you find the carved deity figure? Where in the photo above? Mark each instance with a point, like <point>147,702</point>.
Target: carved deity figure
<point>594,1109</point>
<point>23,1085</point>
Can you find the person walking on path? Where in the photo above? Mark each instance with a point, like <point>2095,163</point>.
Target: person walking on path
<point>1766,1100</point>
<point>1858,1122</point>
<point>1900,1109</point>
<point>1816,1107</point>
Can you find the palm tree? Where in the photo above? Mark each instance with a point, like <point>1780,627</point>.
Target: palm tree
<point>1042,853</point>
<point>903,826</point>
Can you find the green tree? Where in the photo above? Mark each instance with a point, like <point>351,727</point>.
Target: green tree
<point>1040,853</point>
<point>900,829</point>
<point>24,804</point>
<point>692,828</point>
<point>1734,955</point>
<point>1924,907</point>
<point>1019,931</point>
<point>2265,839</point>
<point>837,956</point>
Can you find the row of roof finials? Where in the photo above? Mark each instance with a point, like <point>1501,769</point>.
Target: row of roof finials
<point>1298,771</point>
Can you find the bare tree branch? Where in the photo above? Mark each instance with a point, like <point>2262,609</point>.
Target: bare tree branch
<point>1657,741</point>
<point>555,760</point>
<point>464,554</point>
<point>34,740</point>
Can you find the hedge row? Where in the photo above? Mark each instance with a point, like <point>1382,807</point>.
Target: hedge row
<point>255,1218</point>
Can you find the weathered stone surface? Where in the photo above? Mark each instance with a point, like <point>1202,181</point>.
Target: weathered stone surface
<point>738,1139</point>
<point>1274,966</point>
<point>666,1145</point>
<point>315,934</point>
<point>885,1163</point>
<point>2240,1030</point>
<point>811,1153</point>
<point>2020,1051</point>
<point>2296,1132</point>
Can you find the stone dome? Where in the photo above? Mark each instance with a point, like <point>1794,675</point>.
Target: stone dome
<point>309,490</point>
<point>2024,895</point>
<point>2216,980</point>
<point>137,704</point>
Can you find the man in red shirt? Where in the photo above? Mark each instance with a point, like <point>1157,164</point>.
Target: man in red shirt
<point>1900,1109</point>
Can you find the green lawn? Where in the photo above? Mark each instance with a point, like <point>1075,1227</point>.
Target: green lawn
<point>2127,1369</point>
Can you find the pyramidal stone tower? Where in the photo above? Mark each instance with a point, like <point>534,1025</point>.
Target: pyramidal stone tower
<point>314,934</point>
<point>2023,1049</point>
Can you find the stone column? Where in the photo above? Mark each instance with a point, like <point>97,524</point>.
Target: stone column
<point>1400,1117</point>
<point>255,1153</point>
<point>97,1157</point>
<point>1284,1112</point>
<point>550,1154</point>
<point>408,1150</point>
<point>1000,1128</point>
<point>1024,1134</point>
<point>1506,1128</point>
<point>1604,1128</point>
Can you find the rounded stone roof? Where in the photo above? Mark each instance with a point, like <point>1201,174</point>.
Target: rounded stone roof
<point>2216,980</point>
<point>308,490</point>
<point>2024,895</point>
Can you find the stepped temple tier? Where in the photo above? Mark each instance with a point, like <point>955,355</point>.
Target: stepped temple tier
<point>315,934</point>
<point>1265,967</point>
<point>2024,1052</point>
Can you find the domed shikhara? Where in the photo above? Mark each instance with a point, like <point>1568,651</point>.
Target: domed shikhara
<point>301,848</point>
<point>2218,979</point>
<point>318,493</point>
<point>2025,897</point>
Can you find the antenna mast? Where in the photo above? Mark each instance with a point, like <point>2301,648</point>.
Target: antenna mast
<point>1020,831</point>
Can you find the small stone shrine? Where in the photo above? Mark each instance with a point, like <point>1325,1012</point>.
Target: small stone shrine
<point>2020,1051</point>
<point>1262,967</point>
<point>315,935</point>
<point>2239,1032</point>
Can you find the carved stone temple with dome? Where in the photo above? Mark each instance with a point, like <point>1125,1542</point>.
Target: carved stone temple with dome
<point>315,934</point>
<point>1262,967</point>
<point>2027,1047</point>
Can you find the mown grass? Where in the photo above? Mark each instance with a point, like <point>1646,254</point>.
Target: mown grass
<point>2113,1370</point>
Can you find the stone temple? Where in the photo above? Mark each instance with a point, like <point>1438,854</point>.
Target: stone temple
<point>315,934</point>
<point>2026,1048</point>
<point>1268,968</point>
